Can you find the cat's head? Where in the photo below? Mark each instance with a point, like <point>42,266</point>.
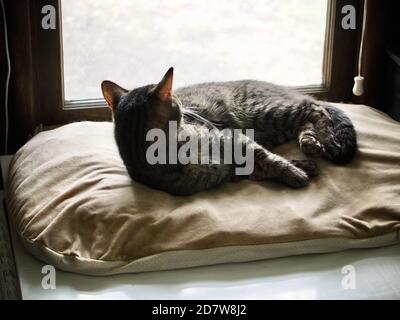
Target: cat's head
<point>153,105</point>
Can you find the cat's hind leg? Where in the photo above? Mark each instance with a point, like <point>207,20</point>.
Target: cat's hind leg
<point>332,129</point>
<point>308,141</point>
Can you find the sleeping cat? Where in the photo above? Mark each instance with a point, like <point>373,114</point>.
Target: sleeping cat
<point>276,114</point>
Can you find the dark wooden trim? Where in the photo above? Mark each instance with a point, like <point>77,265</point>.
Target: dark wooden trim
<point>341,52</point>
<point>3,74</point>
<point>24,110</point>
<point>373,60</point>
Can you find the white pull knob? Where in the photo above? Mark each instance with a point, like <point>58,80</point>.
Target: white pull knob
<point>358,88</point>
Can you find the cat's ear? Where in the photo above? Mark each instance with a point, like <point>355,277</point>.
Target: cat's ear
<point>164,87</point>
<point>112,93</point>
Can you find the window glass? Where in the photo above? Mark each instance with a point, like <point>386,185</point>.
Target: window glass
<point>133,42</point>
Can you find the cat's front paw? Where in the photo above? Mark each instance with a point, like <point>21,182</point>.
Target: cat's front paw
<point>308,166</point>
<point>282,170</point>
<point>294,177</point>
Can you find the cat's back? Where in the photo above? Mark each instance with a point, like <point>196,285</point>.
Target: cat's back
<point>234,93</point>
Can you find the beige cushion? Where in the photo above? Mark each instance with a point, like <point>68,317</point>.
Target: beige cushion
<point>74,205</point>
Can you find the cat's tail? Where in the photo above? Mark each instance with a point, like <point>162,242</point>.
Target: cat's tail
<point>344,150</point>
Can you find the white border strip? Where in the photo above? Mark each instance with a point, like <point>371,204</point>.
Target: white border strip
<point>193,258</point>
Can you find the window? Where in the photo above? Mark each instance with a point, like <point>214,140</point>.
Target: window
<point>134,42</point>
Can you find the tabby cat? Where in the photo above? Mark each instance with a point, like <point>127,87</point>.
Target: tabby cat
<point>276,114</point>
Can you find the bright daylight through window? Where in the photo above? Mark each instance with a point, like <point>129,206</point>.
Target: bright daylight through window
<point>135,42</point>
